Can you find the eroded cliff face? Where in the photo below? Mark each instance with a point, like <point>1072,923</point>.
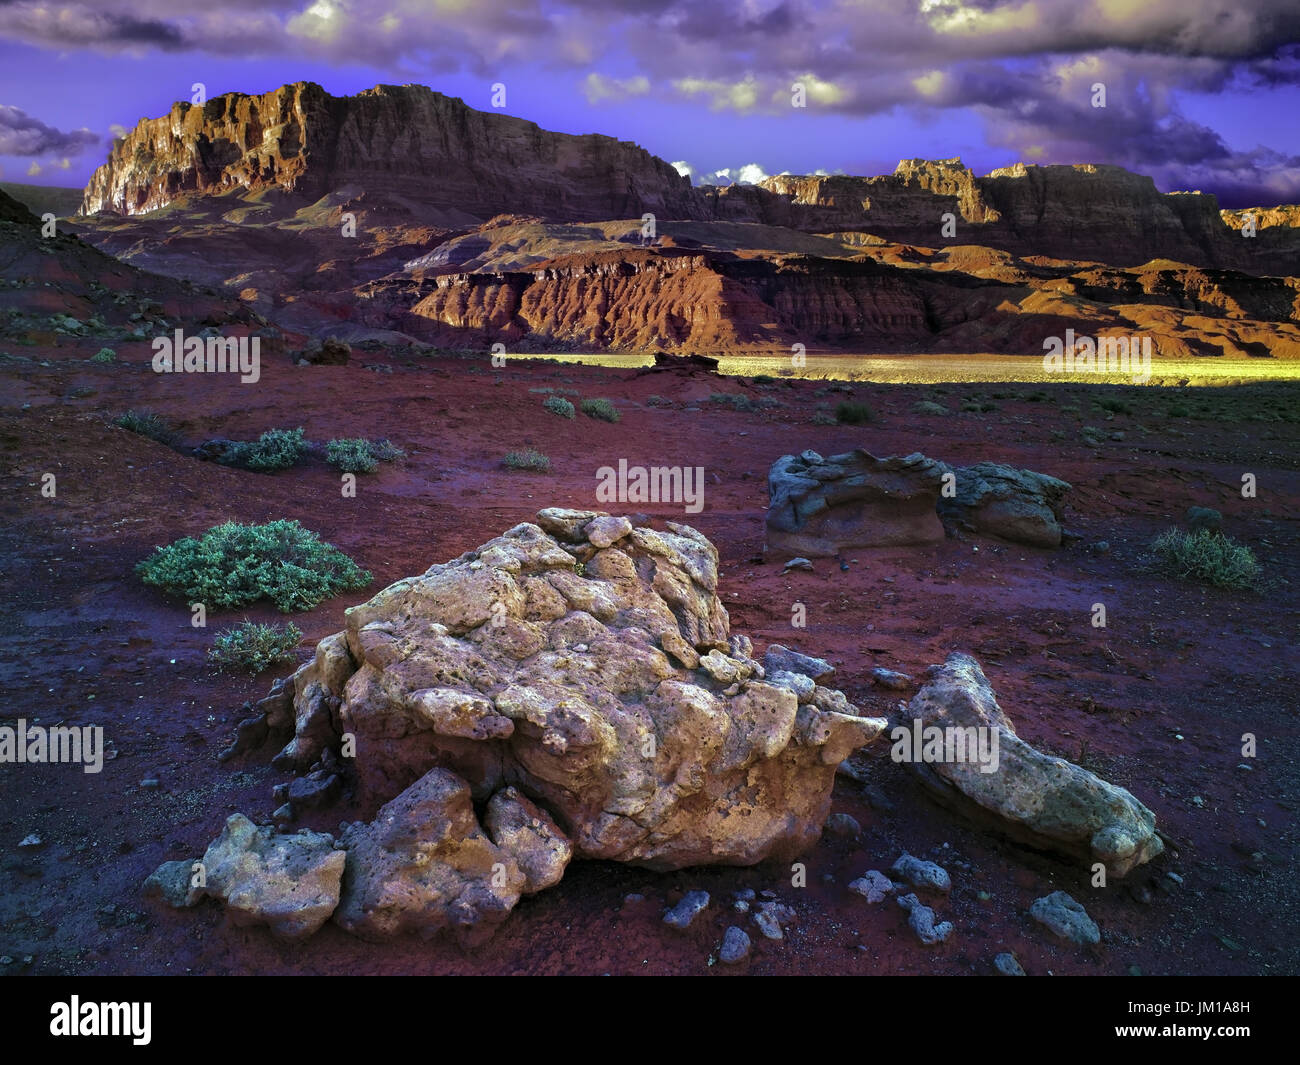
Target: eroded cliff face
<point>1080,213</point>
<point>672,299</point>
<point>646,299</point>
<point>404,144</point>
<point>931,257</point>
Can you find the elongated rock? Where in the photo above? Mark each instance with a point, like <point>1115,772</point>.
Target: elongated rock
<point>1035,797</point>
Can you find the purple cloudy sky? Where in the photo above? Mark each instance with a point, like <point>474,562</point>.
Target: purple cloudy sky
<point>1200,94</point>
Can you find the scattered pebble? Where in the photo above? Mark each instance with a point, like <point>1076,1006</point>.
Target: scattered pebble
<point>690,907</point>
<point>797,563</point>
<point>891,679</point>
<point>1063,915</point>
<point>771,919</point>
<point>31,841</point>
<point>151,783</point>
<point>922,874</point>
<point>873,886</point>
<point>843,825</point>
<point>735,946</point>
<point>1007,965</point>
<point>921,919</point>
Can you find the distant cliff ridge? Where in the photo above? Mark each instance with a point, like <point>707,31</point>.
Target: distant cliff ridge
<point>407,153</point>
<point>394,143</point>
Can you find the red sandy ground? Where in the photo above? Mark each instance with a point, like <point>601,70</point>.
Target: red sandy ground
<point>86,643</point>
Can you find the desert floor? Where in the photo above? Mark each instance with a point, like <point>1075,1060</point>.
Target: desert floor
<point>1157,701</point>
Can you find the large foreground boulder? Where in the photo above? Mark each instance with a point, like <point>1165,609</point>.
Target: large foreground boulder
<point>588,664</point>
<point>1034,797</point>
<point>996,500</point>
<point>818,506</point>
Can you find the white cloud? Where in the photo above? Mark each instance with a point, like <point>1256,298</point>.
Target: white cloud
<point>598,88</point>
<point>684,168</point>
<point>748,174</point>
<point>723,95</point>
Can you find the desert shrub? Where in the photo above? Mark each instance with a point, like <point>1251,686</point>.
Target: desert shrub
<point>602,409</point>
<point>764,379</point>
<point>275,449</point>
<point>853,413</point>
<point>358,455</point>
<point>528,459</point>
<point>926,406</point>
<point>658,401</point>
<point>1204,556</point>
<point>1178,410</point>
<point>386,451</point>
<point>1113,404</point>
<point>253,648</point>
<point>733,400</point>
<point>232,565</point>
<point>351,455</point>
<point>146,423</point>
<point>104,355</point>
<point>822,418</point>
<point>560,406</point>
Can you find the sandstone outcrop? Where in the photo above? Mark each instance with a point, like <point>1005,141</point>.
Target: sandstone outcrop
<point>1034,797</point>
<point>399,145</point>
<point>647,298</point>
<point>998,500</point>
<point>589,664</point>
<point>1079,212</point>
<point>820,506</point>
<point>577,677</point>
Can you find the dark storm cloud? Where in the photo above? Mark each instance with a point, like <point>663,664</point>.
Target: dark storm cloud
<point>83,25</point>
<point>21,134</point>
